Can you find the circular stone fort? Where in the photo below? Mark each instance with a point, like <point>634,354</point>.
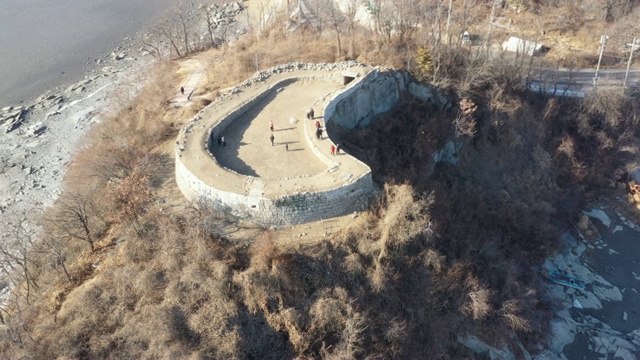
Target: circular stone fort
<point>226,159</point>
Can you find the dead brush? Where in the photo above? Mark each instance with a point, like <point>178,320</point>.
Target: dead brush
<point>263,251</point>
<point>511,314</point>
<point>479,299</point>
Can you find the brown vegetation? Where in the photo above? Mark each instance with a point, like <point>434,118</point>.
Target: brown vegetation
<point>448,248</point>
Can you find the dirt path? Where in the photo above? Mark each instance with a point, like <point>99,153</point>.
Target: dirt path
<point>194,68</point>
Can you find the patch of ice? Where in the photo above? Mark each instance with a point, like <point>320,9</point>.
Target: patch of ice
<point>617,228</point>
<point>635,276</point>
<point>605,291</point>
<point>548,355</point>
<point>611,252</point>
<point>589,300</point>
<point>622,353</point>
<point>563,332</point>
<point>600,215</point>
<point>576,304</point>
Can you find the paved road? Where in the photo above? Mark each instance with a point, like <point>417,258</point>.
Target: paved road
<point>580,80</point>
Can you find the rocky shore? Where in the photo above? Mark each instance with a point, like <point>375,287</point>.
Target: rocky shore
<point>39,138</point>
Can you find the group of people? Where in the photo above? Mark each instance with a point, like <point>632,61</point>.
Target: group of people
<point>273,138</point>
<point>335,149</point>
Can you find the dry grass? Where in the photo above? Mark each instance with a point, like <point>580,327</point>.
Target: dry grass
<point>449,250</point>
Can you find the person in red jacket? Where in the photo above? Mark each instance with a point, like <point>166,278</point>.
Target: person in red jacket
<point>333,149</point>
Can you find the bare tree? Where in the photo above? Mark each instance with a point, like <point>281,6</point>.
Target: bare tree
<point>185,33</point>
<point>335,20</point>
<point>78,218</point>
<point>15,256</point>
<point>57,247</point>
<point>211,25</point>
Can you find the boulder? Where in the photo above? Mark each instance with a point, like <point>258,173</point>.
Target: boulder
<point>422,91</point>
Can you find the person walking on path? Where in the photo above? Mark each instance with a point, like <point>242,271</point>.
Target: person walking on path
<point>311,114</point>
<point>319,133</point>
<point>271,125</point>
<point>182,90</point>
<point>286,147</point>
<point>317,124</point>
<point>272,138</point>
<point>333,149</point>
<point>337,149</point>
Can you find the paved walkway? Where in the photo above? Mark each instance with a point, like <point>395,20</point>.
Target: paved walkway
<point>256,166</point>
<point>248,149</point>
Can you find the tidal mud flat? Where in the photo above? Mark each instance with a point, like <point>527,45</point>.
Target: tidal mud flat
<point>47,44</point>
<point>39,137</point>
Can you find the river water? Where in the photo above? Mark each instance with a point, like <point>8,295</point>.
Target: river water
<point>49,43</point>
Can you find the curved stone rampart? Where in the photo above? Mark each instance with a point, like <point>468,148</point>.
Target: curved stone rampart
<point>346,184</point>
<point>352,193</point>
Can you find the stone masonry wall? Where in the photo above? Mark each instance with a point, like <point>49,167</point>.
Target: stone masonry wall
<point>289,209</point>
<point>355,106</point>
<point>373,94</point>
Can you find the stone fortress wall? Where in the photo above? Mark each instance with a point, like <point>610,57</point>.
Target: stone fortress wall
<point>352,106</point>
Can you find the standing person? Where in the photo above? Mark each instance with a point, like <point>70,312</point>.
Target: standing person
<point>337,149</point>
<point>271,125</point>
<point>219,140</point>
<point>333,149</point>
<point>286,146</point>
<point>317,124</point>
<point>271,138</point>
<point>223,142</point>
<point>311,114</point>
<point>182,90</point>
<point>318,133</point>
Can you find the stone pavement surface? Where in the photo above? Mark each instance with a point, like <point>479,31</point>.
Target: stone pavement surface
<point>249,163</point>
<point>248,149</point>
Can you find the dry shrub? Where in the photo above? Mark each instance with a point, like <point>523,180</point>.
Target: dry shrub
<point>349,347</point>
<point>606,103</point>
<point>263,250</point>
<point>402,218</point>
<point>397,331</point>
<point>511,313</point>
<point>478,304</point>
<point>334,313</point>
<point>465,123</point>
<point>434,261</point>
<point>567,147</point>
<point>130,197</point>
<point>230,65</point>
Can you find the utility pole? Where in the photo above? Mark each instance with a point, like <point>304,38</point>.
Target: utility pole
<point>603,44</point>
<point>449,21</point>
<point>626,74</point>
<point>491,18</point>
